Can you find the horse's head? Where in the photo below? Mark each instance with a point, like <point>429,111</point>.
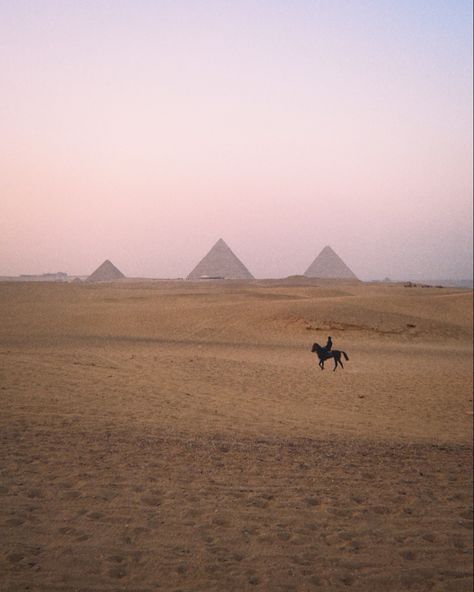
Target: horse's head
<point>315,347</point>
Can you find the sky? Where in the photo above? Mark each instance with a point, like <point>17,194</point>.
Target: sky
<point>142,131</point>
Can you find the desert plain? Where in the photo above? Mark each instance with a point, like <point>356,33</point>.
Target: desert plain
<point>179,436</point>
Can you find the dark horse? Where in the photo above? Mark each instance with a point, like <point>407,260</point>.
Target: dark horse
<point>324,354</point>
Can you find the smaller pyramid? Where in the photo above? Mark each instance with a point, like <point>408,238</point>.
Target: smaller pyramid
<point>107,272</point>
<point>220,263</point>
<point>329,265</point>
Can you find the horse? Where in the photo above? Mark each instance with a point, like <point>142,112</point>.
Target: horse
<point>323,355</point>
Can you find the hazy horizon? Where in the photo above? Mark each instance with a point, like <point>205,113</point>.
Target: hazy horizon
<point>142,132</point>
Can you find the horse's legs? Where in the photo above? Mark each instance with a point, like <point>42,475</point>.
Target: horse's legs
<point>321,364</point>
<point>337,360</point>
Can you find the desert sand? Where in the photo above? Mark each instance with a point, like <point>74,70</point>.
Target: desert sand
<point>180,436</point>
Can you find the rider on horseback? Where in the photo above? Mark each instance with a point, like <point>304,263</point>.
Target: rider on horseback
<point>326,353</point>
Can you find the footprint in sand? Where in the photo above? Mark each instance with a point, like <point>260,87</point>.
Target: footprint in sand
<point>315,580</point>
<point>220,521</point>
<point>301,560</point>
<point>151,500</point>
<point>65,484</point>
<point>34,493</point>
<point>459,542</point>
<point>467,515</point>
<point>118,572</point>
<point>347,579</point>
<point>70,495</point>
<point>109,494</point>
<point>14,522</point>
<point>67,530</point>
<point>258,502</point>
<point>15,557</point>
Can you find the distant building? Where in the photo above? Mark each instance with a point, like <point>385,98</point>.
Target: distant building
<point>59,276</point>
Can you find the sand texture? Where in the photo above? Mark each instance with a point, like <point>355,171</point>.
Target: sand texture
<point>179,436</point>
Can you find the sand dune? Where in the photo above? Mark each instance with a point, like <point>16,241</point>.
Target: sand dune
<point>180,436</point>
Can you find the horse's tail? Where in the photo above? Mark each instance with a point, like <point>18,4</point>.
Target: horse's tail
<point>345,355</point>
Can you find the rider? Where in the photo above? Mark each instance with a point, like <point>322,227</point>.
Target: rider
<point>329,344</point>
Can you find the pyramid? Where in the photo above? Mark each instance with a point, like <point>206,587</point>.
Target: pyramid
<point>220,263</point>
<point>329,265</point>
<point>107,272</point>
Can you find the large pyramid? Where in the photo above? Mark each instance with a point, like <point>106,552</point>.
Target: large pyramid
<point>107,272</point>
<point>329,265</point>
<point>220,263</point>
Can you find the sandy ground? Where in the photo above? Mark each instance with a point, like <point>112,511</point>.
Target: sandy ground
<point>180,436</point>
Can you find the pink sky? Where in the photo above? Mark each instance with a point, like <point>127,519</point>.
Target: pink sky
<point>143,131</point>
